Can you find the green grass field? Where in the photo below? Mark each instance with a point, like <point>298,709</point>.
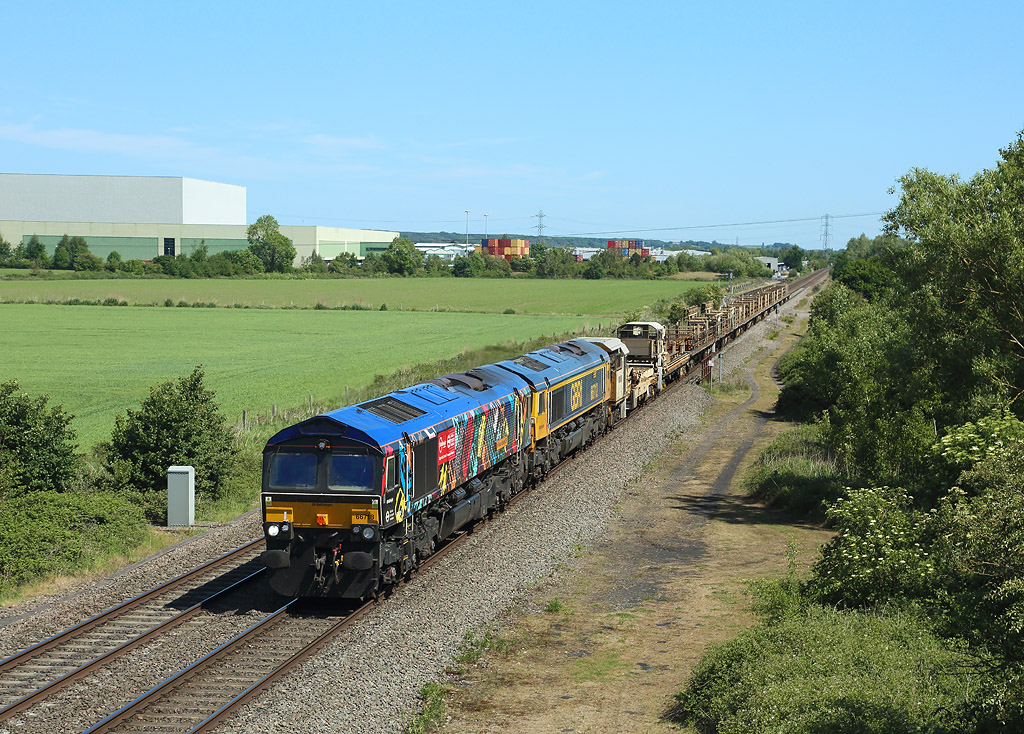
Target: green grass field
<point>598,297</point>
<point>99,360</point>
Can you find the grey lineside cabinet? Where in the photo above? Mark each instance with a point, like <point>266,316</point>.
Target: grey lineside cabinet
<point>181,496</point>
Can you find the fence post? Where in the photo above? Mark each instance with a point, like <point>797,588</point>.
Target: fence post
<point>243,420</point>
<point>311,402</point>
<point>273,411</point>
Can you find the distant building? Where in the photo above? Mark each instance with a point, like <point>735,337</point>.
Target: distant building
<point>448,252</point>
<point>585,253</point>
<point>772,263</point>
<point>144,216</point>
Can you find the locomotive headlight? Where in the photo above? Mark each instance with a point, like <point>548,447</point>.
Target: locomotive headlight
<point>356,529</point>
<point>273,530</point>
<point>285,527</point>
<point>368,532</point>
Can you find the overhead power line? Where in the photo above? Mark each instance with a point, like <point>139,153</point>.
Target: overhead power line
<point>718,226</point>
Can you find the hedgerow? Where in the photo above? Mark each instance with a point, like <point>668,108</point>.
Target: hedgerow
<point>828,671</point>
<point>49,532</point>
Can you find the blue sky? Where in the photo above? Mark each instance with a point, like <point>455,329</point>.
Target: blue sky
<point>648,119</point>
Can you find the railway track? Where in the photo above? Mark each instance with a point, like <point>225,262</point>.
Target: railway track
<point>29,676</point>
<point>211,689</point>
<point>215,686</point>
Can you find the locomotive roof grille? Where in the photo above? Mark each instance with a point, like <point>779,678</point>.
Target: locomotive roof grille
<point>533,364</point>
<point>392,409</point>
<point>466,379</point>
<point>566,347</point>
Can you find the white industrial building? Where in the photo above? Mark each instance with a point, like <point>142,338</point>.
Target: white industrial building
<point>448,252</point>
<point>144,216</point>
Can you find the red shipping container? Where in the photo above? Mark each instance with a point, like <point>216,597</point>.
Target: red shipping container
<point>646,251</point>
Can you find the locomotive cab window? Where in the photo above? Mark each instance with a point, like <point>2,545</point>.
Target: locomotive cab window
<point>294,471</point>
<point>350,471</point>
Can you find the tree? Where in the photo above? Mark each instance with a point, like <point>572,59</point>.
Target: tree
<point>114,261</point>
<point>521,264</point>
<point>135,267</point>
<point>313,264</point>
<point>677,312</point>
<point>6,251</point>
<point>200,252</point>
<point>868,276</point>
<point>178,424</point>
<point>37,444</point>
<point>62,259</point>
<point>967,242</point>
<point>373,264</point>
<point>558,263</point>
<point>87,261</point>
<point>593,270</point>
<point>402,257</point>
<point>343,263</point>
<point>539,251</point>
<point>245,260</point>
<point>462,267</point>
<point>35,253</point>
<point>273,249</point>
<point>793,258</point>
<point>436,265</point>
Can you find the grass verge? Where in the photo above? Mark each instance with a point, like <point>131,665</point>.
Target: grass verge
<point>432,713</point>
<point>795,472</point>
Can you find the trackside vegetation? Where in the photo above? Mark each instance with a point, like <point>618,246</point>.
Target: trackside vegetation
<point>909,386</point>
<point>63,511</point>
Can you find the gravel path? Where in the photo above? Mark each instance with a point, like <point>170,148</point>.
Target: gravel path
<point>368,678</point>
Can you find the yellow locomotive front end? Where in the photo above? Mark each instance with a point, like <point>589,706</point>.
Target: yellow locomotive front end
<point>322,518</point>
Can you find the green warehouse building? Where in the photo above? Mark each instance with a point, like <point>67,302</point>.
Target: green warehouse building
<point>144,216</point>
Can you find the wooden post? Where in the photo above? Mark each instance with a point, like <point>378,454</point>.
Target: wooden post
<point>346,393</point>
<point>273,411</point>
<point>311,402</point>
<point>243,420</point>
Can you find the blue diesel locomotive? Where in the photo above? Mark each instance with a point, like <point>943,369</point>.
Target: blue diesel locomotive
<point>353,499</point>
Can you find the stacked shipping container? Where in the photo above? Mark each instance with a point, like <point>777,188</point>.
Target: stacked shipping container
<point>628,248</point>
<point>506,248</point>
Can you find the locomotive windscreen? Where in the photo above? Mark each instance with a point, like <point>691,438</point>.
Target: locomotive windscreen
<point>293,470</point>
<point>350,471</point>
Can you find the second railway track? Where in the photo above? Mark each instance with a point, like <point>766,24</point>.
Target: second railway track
<point>29,676</point>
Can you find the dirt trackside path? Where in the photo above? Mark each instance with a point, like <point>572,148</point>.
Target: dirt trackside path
<point>603,647</point>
